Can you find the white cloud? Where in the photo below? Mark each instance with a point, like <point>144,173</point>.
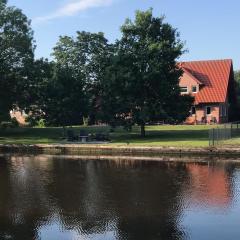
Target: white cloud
<point>72,8</point>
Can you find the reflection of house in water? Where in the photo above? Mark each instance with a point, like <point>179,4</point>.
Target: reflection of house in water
<point>209,185</point>
<point>89,198</point>
<point>49,195</point>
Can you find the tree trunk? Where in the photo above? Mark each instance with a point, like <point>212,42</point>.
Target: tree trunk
<point>143,132</point>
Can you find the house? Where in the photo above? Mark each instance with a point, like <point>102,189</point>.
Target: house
<point>19,115</point>
<point>212,85</point>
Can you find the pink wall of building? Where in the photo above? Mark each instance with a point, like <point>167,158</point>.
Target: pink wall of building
<point>217,115</point>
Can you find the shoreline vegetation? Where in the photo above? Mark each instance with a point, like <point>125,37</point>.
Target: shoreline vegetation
<point>161,139</point>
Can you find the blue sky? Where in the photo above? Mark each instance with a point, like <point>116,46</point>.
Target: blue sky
<point>209,27</point>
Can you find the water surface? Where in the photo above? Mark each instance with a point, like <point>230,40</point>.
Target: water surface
<point>53,197</point>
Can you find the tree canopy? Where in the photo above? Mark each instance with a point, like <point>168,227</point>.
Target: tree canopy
<point>143,80</point>
<point>82,62</point>
<point>132,81</point>
<point>16,55</point>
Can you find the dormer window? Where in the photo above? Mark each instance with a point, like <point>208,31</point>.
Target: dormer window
<point>194,89</point>
<point>184,89</point>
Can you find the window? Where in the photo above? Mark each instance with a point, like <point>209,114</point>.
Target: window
<point>184,89</point>
<point>194,89</point>
<point>193,110</point>
<point>208,110</point>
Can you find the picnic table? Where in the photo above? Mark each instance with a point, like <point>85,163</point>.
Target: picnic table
<point>84,137</point>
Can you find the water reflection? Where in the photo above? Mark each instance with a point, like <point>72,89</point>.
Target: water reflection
<point>210,185</point>
<point>50,197</point>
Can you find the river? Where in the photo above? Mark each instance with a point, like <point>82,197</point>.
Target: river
<point>57,197</point>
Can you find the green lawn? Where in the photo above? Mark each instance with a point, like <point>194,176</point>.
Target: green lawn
<point>178,136</point>
<point>232,142</point>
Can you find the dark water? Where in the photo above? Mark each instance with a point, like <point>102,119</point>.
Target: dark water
<point>44,197</point>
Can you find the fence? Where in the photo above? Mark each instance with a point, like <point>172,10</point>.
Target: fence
<point>224,132</point>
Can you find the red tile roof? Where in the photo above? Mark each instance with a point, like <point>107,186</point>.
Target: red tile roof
<point>214,75</point>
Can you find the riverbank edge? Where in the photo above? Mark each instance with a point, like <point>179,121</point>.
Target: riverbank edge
<point>112,150</point>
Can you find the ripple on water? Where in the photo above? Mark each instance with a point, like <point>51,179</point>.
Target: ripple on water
<point>50,197</point>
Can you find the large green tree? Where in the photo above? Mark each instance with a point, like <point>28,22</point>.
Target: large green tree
<point>65,99</point>
<point>37,94</point>
<point>16,56</point>
<point>142,82</point>
<point>85,58</point>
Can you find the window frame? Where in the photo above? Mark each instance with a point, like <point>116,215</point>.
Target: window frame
<point>185,87</point>
<point>208,107</point>
<point>195,86</point>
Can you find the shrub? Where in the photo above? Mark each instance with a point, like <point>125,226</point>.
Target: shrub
<point>35,117</point>
<point>5,125</point>
<point>85,121</point>
<point>41,123</point>
<point>14,122</point>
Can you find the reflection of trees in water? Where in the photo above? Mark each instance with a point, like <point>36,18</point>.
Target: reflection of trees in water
<point>102,196</point>
<point>154,205</point>
<point>230,169</point>
<point>136,200</point>
<point>24,203</point>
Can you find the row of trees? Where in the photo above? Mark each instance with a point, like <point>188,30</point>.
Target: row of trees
<point>131,81</point>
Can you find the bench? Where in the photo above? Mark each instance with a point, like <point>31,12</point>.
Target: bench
<point>83,139</point>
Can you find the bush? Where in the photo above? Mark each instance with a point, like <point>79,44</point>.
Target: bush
<point>85,121</point>
<point>11,124</point>
<point>35,117</point>
<point>14,122</point>
<point>41,123</point>
<point>5,125</point>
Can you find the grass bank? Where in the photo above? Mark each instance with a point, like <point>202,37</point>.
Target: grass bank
<point>156,136</point>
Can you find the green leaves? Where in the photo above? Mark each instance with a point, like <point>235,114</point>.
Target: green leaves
<point>16,54</point>
<point>2,4</point>
<point>79,75</point>
<point>132,81</point>
<point>144,75</point>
